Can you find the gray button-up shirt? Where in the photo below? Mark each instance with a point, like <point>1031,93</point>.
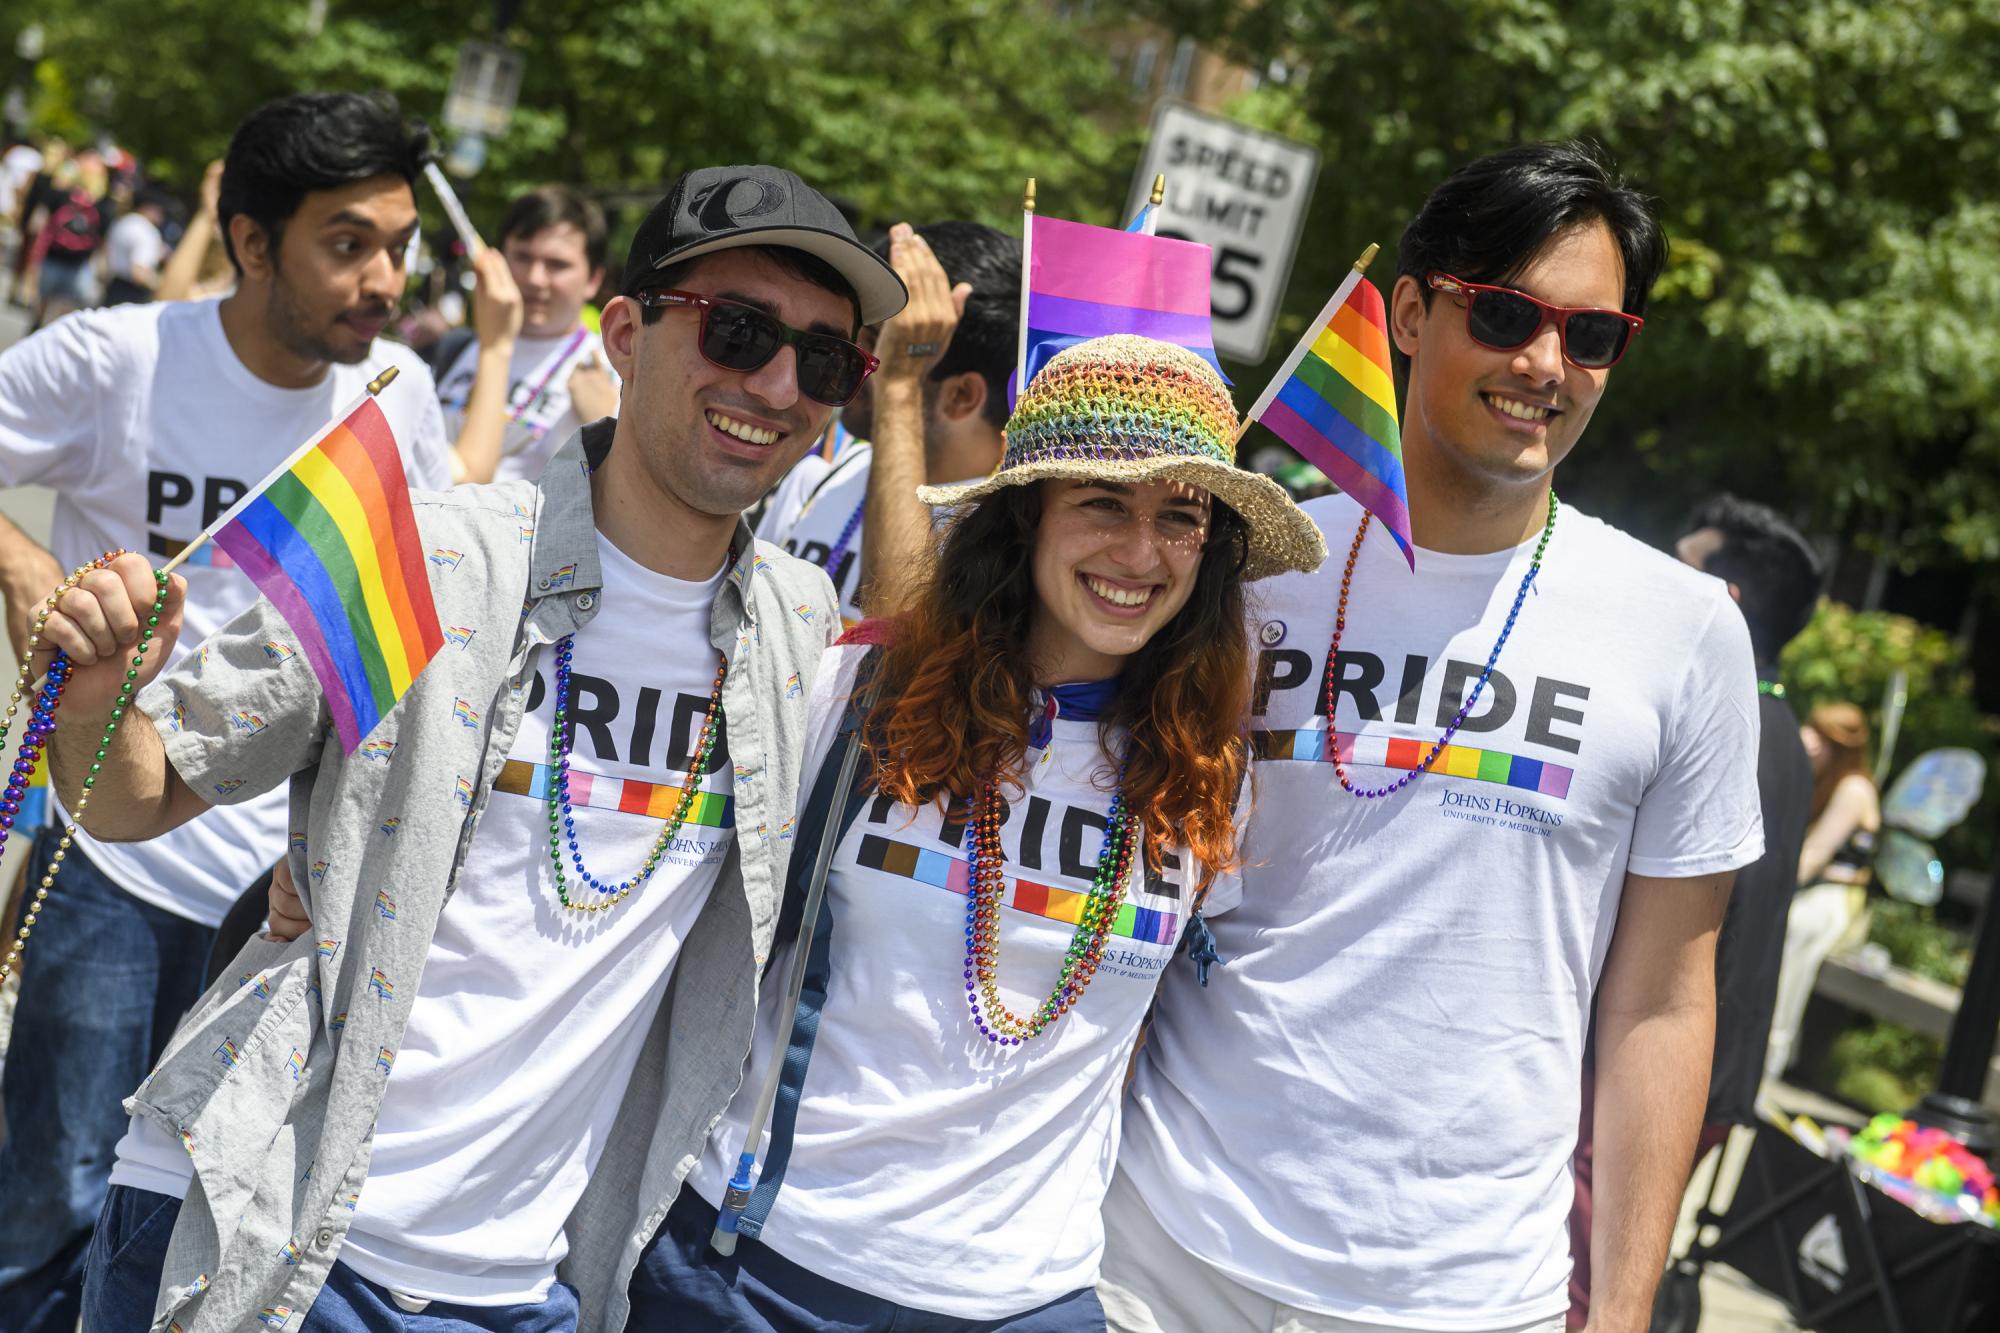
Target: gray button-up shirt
<point>274,1080</point>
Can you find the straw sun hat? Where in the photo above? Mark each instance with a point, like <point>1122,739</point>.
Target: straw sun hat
<point>1131,409</point>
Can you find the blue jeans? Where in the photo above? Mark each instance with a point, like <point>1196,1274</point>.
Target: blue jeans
<point>104,980</point>
<point>130,1248</point>
<point>683,1284</point>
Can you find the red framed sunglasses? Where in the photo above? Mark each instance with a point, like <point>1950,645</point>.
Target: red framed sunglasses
<point>739,337</point>
<point>1504,319</point>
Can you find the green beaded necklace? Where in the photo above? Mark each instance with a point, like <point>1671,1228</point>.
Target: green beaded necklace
<point>42,722</point>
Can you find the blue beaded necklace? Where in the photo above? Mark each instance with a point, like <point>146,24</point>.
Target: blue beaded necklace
<point>1464,709</point>
<point>841,542</point>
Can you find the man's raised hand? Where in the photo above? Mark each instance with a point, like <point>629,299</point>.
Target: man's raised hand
<point>911,343</point>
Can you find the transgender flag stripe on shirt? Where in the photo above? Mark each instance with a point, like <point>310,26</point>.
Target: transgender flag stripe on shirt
<point>934,868</point>
<point>633,797</point>
<point>1454,761</point>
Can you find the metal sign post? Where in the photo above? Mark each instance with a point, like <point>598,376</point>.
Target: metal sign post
<point>482,97</point>
<point>1243,193</point>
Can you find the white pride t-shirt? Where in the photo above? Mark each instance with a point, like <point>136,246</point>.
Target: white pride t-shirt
<point>540,414</point>
<point>148,428</point>
<point>813,506</point>
<point>930,1166</point>
<point>1371,1110</point>
<point>529,1016</point>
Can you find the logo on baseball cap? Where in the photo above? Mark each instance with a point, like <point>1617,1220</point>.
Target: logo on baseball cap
<point>723,208</point>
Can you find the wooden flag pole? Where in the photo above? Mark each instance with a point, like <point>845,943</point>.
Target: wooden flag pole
<point>375,386</point>
<point>1306,341</point>
<point>1027,281</point>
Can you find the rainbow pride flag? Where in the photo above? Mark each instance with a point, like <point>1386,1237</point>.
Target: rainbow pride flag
<point>1334,400</point>
<point>1085,282</point>
<point>331,540</point>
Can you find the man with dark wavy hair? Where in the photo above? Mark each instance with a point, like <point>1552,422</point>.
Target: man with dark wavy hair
<point>1489,793</point>
<point>931,414</point>
<point>149,421</point>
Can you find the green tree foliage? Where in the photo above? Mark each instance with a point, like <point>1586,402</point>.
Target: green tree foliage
<point>1825,335</point>
<point>918,111</point>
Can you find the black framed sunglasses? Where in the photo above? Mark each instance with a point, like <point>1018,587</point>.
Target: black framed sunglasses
<point>735,336</point>
<point>1504,319</point>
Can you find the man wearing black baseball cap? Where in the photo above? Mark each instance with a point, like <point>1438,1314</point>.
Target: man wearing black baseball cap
<point>523,982</point>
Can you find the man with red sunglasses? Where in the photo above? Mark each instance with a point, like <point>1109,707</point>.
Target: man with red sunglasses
<point>1491,794</point>
<point>465,1077</point>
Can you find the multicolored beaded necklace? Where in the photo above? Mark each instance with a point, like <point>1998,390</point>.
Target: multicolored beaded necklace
<point>999,1024</point>
<point>1465,708</point>
<point>562,815</point>
<point>1774,688</point>
<point>42,723</point>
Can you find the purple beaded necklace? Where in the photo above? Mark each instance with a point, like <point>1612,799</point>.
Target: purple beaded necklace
<point>1465,709</point>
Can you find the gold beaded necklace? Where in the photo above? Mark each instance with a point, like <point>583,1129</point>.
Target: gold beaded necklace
<point>41,722</point>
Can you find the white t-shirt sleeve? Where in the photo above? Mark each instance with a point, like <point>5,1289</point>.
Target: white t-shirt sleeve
<point>427,451</point>
<point>432,449</point>
<point>838,670</point>
<point>50,396</point>
<point>1700,813</point>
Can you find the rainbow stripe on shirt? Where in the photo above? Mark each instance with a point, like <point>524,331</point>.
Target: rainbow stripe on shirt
<point>928,866</point>
<point>1455,761</point>
<point>630,796</point>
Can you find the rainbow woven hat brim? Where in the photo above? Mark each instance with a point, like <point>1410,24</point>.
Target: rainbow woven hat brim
<point>1131,409</point>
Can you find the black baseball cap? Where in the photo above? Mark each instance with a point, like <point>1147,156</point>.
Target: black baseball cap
<point>721,208</point>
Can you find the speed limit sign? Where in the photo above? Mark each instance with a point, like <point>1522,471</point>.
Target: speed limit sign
<point>1244,194</point>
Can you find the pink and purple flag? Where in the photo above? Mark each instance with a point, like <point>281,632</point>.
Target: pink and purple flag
<point>1086,282</point>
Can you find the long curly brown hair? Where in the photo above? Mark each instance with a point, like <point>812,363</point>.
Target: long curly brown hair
<point>954,685</point>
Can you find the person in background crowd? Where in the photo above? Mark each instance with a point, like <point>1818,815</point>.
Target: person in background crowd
<point>199,265</point>
<point>149,421</point>
<point>135,249</point>
<point>72,216</point>
<point>34,166</point>
<point>533,373</point>
<point>1489,791</point>
<point>1833,867</point>
<point>414,1135</point>
<point>19,166</point>
<point>1078,642</point>
<point>1773,576</point>
<point>933,413</point>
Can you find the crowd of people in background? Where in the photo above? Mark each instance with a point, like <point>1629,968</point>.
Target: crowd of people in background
<point>1329,1008</point>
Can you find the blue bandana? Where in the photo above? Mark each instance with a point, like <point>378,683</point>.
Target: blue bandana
<point>1084,701</point>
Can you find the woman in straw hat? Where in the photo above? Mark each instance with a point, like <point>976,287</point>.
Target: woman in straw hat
<point>1054,742</point>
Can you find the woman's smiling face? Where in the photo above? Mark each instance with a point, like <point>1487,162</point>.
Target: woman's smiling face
<point>1113,563</point>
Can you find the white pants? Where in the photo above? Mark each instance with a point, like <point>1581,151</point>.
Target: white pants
<point>1816,921</point>
<point>1149,1284</point>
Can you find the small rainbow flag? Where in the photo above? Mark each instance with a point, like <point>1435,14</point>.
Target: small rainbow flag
<point>331,540</point>
<point>1334,400</point>
<point>1085,282</point>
